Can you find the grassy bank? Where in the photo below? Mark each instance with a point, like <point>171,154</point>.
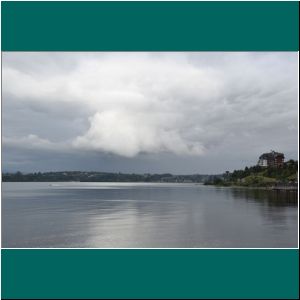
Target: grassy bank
<point>257,176</point>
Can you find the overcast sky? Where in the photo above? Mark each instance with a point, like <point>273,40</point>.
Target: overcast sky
<point>147,112</point>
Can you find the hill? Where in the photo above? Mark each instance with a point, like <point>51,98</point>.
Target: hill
<point>257,176</point>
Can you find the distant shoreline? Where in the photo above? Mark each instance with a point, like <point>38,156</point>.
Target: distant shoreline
<point>78,176</point>
<point>241,187</point>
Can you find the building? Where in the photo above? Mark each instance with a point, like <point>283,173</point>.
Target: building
<point>271,159</point>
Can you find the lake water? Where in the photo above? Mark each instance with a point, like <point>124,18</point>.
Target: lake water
<point>145,215</point>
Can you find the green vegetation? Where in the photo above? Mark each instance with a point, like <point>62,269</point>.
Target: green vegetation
<point>257,180</point>
<point>100,177</point>
<point>257,176</point>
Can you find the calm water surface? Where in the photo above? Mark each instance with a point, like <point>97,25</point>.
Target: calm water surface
<point>142,215</point>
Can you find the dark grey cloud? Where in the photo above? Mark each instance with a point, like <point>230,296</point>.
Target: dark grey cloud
<point>147,112</point>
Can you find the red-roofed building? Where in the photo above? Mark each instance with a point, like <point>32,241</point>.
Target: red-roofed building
<point>271,159</point>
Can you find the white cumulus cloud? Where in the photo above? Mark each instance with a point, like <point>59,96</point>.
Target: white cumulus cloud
<point>132,103</point>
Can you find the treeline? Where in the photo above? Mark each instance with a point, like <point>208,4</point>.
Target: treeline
<point>100,177</point>
<point>259,176</point>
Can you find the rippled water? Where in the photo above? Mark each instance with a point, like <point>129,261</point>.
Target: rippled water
<point>139,215</point>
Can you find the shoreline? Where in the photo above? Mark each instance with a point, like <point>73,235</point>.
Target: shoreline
<point>255,187</point>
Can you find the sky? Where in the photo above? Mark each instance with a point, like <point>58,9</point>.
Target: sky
<point>157,112</point>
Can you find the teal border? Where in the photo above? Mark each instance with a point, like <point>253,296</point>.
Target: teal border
<point>168,274</point>
<point>150,26</point>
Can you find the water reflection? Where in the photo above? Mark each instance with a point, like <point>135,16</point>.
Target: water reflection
<point>269,197</point>
<point>112,215</point>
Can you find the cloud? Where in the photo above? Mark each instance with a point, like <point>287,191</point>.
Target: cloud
<point>31,142</point>
<point>128,134</point>
<point>181,103</point>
